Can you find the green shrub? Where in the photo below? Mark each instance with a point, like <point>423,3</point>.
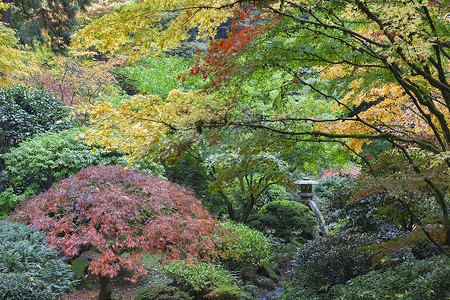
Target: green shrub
<point>29,269</point>
<point>284,218</point>
<point>420,279</point>
<point>201,278</point>
<point>37,163</point>
<point>161,292</point>
<point>328,261</point>
<point>24,113</point>
<point>245,247</point>
<point>8,200</point>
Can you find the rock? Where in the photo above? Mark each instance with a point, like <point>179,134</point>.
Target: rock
<point>79,268</point>
<point>261,281</point>
<point>266,270</point>
<point>89,255</point>
<point>264,282</point>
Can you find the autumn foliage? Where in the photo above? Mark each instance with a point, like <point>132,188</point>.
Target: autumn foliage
<point>117,210</point>
<point>220,63</point>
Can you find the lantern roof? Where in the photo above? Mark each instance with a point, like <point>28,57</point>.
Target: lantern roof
<point>306,180</point>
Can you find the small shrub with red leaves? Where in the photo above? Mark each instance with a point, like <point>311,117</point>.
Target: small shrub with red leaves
<point>117,210</point>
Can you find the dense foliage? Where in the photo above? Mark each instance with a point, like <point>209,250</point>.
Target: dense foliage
<point>206,279</point>
<point>244,247</point>
<point>29,269</point>
<point>329,261</point>
<point>422,279</point>
<point>284,218</point>
<point>161,292</point>
<point>39,162</point>
<point>291,88</point>
<point>27,112</point>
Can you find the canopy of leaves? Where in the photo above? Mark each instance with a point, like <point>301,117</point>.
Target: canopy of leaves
<point>118,210</point>
<point>50,21</point>
<point>76,77</point>
<point>139,124</point>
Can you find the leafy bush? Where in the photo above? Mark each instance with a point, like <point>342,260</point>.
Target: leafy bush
<point>245,247</point>
<point>204,279</point>
<point>283,218</point>
<point>366,214</point>
<point>8,200</point>
<point>29,269</point>
<point>24,113</point>
<point>161,292</point>
<point>331,193</point>
<point>328,261</point>
<point>37,163</point>
<point>420,279</point>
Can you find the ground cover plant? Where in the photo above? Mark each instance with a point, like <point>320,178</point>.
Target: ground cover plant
<point>29,268</point>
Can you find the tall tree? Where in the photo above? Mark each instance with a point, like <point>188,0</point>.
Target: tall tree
<point>50,21</point>
<point>384,65</point>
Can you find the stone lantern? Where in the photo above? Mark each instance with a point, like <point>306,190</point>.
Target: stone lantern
<point>306,197</point>
<point>305,187</point>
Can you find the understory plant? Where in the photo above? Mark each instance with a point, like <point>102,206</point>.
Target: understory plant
<point>29,268</point>
<point>40,161</point>
<point>283,218</point>
<point>25,112</point>
<point>244,247</point>
<point>206,279</point>
<point>418,279</point>
<point>328,261</point>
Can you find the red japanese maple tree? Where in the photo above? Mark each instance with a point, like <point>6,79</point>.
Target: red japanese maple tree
<point>117,210</point>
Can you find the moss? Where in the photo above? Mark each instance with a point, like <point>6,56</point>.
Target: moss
<point>79,268</point>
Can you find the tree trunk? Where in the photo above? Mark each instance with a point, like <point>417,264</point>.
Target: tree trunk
<point>105,288</point>
<point>6,14</point>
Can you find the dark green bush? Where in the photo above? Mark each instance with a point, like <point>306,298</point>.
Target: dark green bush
<point>37,163</point>
<point>245,247</point>
<point>284,218</point>
<point>24,113</point>
<point>420,279</point>
<point>161,292</point>
<point>29,269</point>
<point>328,261</point>
<point>201,278</point>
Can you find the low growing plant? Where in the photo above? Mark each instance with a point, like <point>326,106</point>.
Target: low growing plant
<point>29,269</point>
<point>419,279</point>
<point>328,261</point>
<point>201,278</point>
<point>284,218</point>
<point>244,247</point>
<point>162,292</point>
